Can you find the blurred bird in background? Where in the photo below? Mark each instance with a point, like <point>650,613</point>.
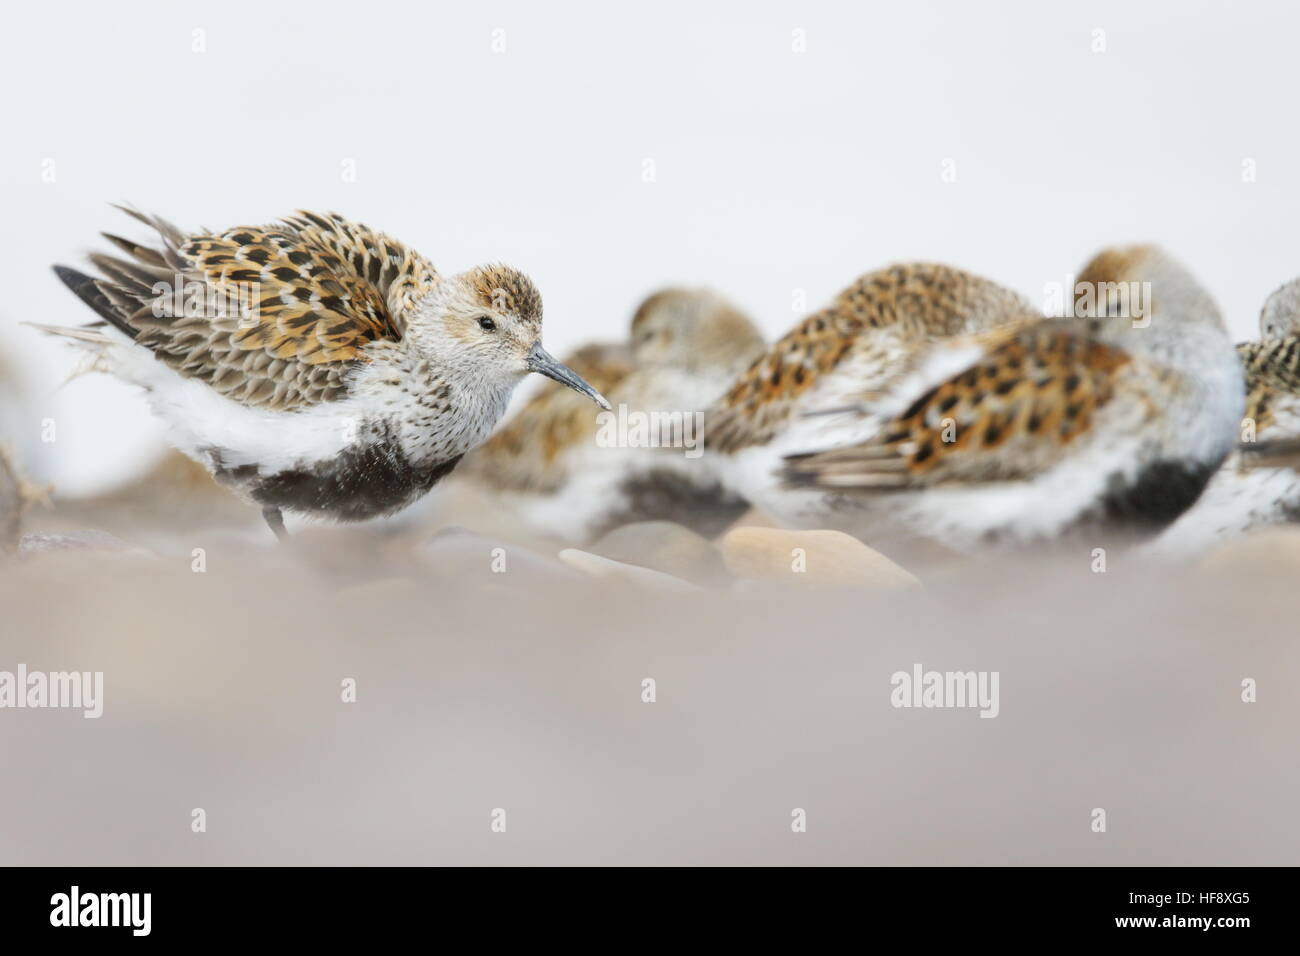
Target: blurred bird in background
<point>1110,423</point>
<point>573,474</point>
<point>1258,484</point>
<point>817,386</point>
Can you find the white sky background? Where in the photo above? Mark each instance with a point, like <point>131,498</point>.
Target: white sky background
<point>776,171</point>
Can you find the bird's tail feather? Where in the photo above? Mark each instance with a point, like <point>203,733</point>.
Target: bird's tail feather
<point>93,292</point>
<point>92,334</point>
<point>93,340</point>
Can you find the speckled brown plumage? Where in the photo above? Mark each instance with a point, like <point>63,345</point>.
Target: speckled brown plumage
<point>1259,484</point>
<point>313,364</point>
<point>1032,393</point>
<point>1272,368</point>
<point>284,311</point>
<point>499,287</point>
<point>911,302</point>
<point>1108,424</point>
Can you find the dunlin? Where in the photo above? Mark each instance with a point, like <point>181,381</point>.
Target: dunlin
<point>314,365</point>
<point>1112,422</point>
<point>839,360</point>
<point>1258,484</point>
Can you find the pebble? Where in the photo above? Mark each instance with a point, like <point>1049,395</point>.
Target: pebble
<point>668,547</point>
<point>1267,552</point>
<point>601,567</point>
<point>810,559</point>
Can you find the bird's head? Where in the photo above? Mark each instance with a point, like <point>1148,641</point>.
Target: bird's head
<point>487,324</point>
<point>692,329</point>
<point>1280,316</point>
<point>1134,284</point>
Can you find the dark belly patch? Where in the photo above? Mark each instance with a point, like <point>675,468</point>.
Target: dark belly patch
<point>1162,492</point>
<point>364,481</point>
<point>664,495</point>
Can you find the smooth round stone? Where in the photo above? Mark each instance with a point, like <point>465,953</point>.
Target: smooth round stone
<point>668,547</point>
<point>753,518</point>
<point>601,567</point>
<point>811,559</point>
<point>1266,552</point>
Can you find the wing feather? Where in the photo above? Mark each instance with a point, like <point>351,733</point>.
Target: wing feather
<point>270,316</point>
<point>911,302</point>
<point>1008,416</point>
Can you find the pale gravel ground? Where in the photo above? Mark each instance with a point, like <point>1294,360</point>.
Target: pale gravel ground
<point>479,691</point>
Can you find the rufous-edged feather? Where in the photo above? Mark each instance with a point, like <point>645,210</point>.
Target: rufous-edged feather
<point>1009,415</point>
<point>907,303</point>
<point>269,316</point>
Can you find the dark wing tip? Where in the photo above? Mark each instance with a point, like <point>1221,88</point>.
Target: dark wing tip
<point>86,288</point>
<point>72,278</point>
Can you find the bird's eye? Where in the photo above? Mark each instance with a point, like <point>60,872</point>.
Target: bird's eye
<point>486,324</point>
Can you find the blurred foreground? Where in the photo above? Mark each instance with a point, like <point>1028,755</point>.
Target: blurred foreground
<point>521,689</point>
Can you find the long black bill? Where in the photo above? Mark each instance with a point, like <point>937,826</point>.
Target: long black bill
<point>544,363</point>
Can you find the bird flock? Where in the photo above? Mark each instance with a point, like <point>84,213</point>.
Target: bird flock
<point>319,367</point>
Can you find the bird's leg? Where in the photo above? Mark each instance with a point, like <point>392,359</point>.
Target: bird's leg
<point>275,521</point>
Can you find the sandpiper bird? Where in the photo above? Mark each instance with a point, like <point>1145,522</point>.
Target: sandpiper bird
<point>1111,423</point>
<point>556,466</point>
<point>314,365</point>
<point>837,358</point>
<point>1259,483</point>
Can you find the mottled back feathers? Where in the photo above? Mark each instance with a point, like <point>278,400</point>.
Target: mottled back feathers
<point>1272,364</point>
<point>269,316</point>
<point>1032,392</point>
<point>1272,368</point>
<point>908,303</point>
